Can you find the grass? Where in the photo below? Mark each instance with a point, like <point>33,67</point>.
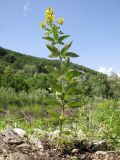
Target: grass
<point>98,123</point>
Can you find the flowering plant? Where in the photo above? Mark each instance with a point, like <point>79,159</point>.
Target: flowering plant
<point>63,82</point>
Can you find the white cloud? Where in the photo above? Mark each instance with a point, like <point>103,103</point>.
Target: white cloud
<point>118,74</point>
<point>104,70</point>
<point>107,71</point>
<point>26,7</point>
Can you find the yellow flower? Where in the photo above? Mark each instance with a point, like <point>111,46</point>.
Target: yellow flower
<point>60,21</point>
<point>49,15</point>
<point>49,11</point>
<point>42,24</point>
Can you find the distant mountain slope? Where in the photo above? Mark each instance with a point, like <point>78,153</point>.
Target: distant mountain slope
<point>26,73</point>
<point>19,60</point>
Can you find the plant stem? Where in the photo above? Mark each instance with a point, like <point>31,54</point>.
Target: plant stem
<point>62,100</point>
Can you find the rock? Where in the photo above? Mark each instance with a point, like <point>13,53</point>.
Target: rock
<point>17,156</point>
<point>4,151</point>
<point>100,152</point>
<point>13,141</point>
<point>75,151</point>
<point>3,146</point>
<point>3,154</point>
<point>1,136</point>
<point>13,147</point>
<point>2,157</point>
<point>9,132</point>
<point>20,132</point>
<point>108,155</point>
<point>37,143</point>
<point>11,137</point>
<point>24,148</point>
<point>99,146</point>
<point>73,158</point>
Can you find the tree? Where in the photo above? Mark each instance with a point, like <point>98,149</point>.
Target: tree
<point>114,86</point>
<point>10,58</point>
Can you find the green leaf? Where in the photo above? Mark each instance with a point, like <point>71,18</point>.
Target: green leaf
<point>53,120</point>
<point>63,38</point>
<point>67,132</point>
<point>53,114</point>
<point>53,55</point>
<point>71,54</point>
<point>48,38</point>
<point>74,104</point>
<point>71,74</point>
<point>66,48</point>
<point>61,32</point>
<point>72,91</point>
<point>54,50</point>
<point>52,102</point>
<point>71,87</point>
<point>57,87</point>
<point>60,42</point>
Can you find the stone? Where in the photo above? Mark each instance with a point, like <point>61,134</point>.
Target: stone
<point>99,146</point>
<point>2,157</point>
<point>75,151</point>
<point>106,155</point>
<point>4,151</point>
<point>23,147</point>
<point>20,132</point>
<point>13,141</point>
<point>37,143</point>
<point>73,158</point>
<point>12,137</point>
<point>9,132</point>
<point>17,156</point>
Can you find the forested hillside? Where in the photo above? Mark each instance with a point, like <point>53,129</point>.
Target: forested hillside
<point>18,61</point>
<point>26,73</point>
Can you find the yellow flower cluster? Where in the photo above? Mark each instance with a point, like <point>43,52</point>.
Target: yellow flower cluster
<point>60,21</point>
<point>49,18</point>
<point>49,15</point>
<point>42,24</point>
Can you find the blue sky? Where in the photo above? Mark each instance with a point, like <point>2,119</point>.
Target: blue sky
<point>94,26</point>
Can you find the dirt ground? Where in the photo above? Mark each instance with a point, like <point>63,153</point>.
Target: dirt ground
<point>13,147</point>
